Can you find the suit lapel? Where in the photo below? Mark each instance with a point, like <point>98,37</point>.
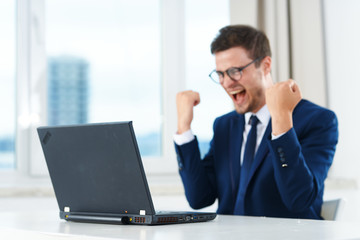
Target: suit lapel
<point>236,138</point>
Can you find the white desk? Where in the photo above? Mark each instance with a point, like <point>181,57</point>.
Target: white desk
<point>47,225</point>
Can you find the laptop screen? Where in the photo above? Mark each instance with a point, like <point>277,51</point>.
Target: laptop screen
<point>96,168</point>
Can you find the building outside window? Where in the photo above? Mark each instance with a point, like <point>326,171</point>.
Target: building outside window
<point>68,90</point>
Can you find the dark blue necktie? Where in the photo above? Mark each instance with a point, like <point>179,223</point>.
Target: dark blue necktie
<point>249,149</point>
<point>246,165</point>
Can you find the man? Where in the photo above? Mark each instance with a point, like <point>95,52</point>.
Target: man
<point>270,156</point>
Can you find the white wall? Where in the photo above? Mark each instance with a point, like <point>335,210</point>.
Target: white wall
<point>342,20</point>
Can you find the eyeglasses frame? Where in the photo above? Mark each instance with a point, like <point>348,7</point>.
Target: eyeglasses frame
<point>240,69</point>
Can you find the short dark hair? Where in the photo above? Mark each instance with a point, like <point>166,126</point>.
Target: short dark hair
<point>251,39</point>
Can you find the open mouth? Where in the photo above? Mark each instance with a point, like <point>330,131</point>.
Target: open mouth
<point>238,96</point>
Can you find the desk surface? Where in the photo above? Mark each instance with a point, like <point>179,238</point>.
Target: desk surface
<point>47,225</point>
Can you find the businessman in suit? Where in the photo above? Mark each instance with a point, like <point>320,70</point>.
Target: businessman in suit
<point>270,156</point>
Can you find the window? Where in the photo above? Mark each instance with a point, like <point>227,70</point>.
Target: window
<point>113,60</point>
<point>7,82</point>
<point>202,25</point>
<point>104,65</point>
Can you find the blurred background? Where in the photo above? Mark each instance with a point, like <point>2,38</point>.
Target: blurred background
<point>85,61</point>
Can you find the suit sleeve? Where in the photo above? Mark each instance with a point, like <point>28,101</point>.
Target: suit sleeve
<point>198,175</point>
<point>302,158</point>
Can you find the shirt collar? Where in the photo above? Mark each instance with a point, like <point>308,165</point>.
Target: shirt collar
<point>263,115</point>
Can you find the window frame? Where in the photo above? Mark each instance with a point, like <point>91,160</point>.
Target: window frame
<point>30,93</point>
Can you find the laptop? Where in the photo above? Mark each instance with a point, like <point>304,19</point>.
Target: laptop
<point>98,176</point>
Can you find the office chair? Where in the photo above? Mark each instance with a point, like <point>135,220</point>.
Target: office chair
<point>331,209</point>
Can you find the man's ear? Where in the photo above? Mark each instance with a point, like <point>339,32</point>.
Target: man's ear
<point>266,64</point>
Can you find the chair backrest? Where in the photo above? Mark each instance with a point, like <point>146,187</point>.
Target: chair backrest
<point>331,209</point>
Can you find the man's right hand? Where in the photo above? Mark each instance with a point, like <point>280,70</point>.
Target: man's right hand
<point>185,102</point>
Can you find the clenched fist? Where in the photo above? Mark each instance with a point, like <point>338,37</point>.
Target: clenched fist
<point>281,99</point>
<point>185,102</point>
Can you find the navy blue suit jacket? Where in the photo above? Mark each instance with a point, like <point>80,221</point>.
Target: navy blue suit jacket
<point>294,191</point>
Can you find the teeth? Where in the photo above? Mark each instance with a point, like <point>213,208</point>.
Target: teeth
<point>235,92</point>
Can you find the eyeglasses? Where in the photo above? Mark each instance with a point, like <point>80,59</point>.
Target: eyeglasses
<point>234,73</point>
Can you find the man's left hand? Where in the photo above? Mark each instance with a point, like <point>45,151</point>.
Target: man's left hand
<point>281,99</point>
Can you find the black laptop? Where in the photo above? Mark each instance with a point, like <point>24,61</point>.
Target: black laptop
<point>98,176</point>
